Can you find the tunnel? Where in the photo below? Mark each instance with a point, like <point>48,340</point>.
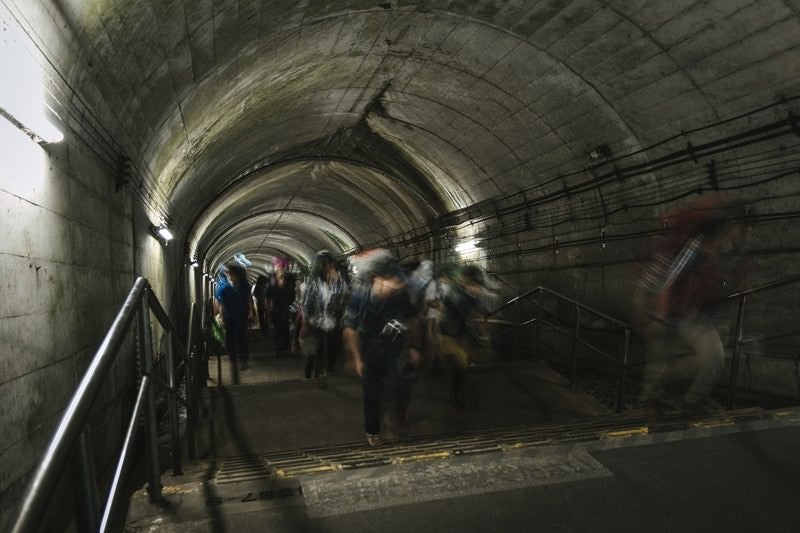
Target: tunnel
<point>549,142</point>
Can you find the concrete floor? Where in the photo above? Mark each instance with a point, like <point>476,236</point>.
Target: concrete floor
<point>736,473</point>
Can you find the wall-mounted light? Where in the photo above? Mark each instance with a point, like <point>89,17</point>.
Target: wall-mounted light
<point>164,233</point>
<point>43,132</point>
<point>161,232</point>
<point>466,247</point>
<point>22,94</point>
<point>602,151</point>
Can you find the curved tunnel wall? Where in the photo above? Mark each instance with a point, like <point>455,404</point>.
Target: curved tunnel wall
<point>247,126</point>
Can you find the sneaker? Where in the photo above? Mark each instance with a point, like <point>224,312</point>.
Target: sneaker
<point>374,440</point>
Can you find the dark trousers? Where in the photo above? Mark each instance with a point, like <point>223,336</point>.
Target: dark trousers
<point>329,346</point>
<point>280,323</point>
<point>263,325</point>
<point>236,340</point>
<point>382,381</point>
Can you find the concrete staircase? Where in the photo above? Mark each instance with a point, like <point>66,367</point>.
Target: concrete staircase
<point>278,454</point>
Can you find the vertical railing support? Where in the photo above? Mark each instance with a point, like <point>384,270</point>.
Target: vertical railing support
<point>191,378</point>
<point>175,435</point>
<point>575,338</point>
<point>538,338</point>
<point>151,425</point>
<point>623,367</point>
<point>515,340</point>
<point>87,504</point>
<point>737,352</point>
<point>191,408</point>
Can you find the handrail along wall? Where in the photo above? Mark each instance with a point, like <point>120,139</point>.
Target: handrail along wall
<point>71,430</point>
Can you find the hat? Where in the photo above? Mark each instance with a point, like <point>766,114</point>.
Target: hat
<point>242,260</point>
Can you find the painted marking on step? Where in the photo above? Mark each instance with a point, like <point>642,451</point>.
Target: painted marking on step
<point>713,423</point>
<point>421,457</point>
<point>264,495</point>
<point>624,433</point>
<point>288,472</point>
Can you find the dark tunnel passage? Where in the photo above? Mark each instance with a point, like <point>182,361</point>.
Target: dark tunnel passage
<point>554,145</point>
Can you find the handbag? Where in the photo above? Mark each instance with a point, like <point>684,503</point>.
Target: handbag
<point>218,330</point>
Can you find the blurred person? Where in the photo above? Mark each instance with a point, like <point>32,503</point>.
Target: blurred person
<point>296,317</point>
<point>380,332</point>
<point>260,297</point>
<point>426,286</point>
<point>217,324</point>
<point>322,311</point>
<point>237,311</point>
<point>281,296</point>
<point>676,292</point>
<point>461,325</point>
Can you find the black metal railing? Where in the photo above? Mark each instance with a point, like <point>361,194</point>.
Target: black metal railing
<point>739,340</point>
<point>573,329</point>
<point>71,435</point>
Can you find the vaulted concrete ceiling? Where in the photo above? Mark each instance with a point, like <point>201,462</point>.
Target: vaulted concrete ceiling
<point>277,126</point>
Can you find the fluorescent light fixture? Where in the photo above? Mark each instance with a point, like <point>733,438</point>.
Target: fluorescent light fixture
<point>164,233</point>
<point>40,131</point>
<point>22,92</point>
<point>466,247</point>
<point>161,232</point>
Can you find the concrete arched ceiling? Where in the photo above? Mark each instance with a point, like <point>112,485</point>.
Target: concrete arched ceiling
<point>260,124</point>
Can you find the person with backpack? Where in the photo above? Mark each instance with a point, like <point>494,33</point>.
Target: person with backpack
<point>237,310</point>
<point>381,335</point>
<point>461,336</point>
<point>678,291</point>
<point>322,310</point>
<point>281,295</point>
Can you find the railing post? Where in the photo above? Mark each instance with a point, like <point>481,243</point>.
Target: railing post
<point>737,350</point>
<point>173,407</point>
<point>623,369</point>
<point>575,338</point>
<point>151,425</point>
<point>539,325</point>
<point>87,508</point>
<point>191,371</point>
<point>191,409</point>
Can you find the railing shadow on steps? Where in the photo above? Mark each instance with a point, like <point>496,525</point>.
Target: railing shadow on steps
<point>71,440</point>
<point>572,329</point>
<point>620,361</point>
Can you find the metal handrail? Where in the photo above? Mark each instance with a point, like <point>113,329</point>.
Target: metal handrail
<point>739,337</point>
<point>766,286</point>
<point>621,363</point>
<point>566,299</point>
<point>71,430</point>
